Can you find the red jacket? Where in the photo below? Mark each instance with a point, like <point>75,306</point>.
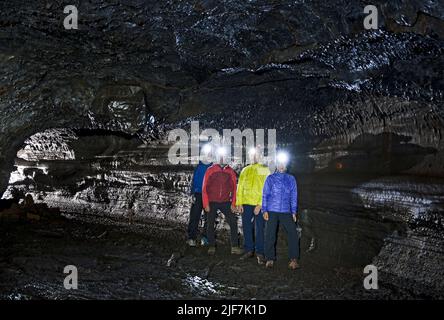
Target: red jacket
<point>219,185</point>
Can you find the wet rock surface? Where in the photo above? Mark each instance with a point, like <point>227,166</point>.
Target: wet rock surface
<point>84,115</point>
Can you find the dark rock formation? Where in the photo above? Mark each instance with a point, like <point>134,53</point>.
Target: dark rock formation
<point>86,112</point>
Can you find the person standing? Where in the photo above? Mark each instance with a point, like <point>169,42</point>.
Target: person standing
<point>219,194</point>
<point>279,204</point>
<point>249,204</point>
<point>197,206</point>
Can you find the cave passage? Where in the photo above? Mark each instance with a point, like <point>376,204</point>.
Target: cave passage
<point>85,118</point>
<point>119,198</point>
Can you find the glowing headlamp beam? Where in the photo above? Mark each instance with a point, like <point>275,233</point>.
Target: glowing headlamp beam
<point>206,149</point>
<point>221,151</point>
<point>282,157</point>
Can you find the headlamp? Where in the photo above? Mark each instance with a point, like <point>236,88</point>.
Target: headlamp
<point>221,151</point>
<point>282,157</point>
<point>206,149</point>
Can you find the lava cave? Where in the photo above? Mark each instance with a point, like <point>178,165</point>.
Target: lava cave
<point>85,177</point>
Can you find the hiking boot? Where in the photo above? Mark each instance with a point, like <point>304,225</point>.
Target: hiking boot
<point>211,250</point>
<point>260,259</point>
<point>293,265</point>
<point>247,255</point>
<point>236,250</point>
<point>269,264</point>
<point>191,242</point>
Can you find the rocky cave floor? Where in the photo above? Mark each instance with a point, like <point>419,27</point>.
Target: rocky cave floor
<point>151,261</point>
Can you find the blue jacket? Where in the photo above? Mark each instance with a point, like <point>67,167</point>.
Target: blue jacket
<point>280,194</point>
<point>198,176</point>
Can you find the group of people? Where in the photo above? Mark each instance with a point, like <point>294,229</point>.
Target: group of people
<point>263,200</point>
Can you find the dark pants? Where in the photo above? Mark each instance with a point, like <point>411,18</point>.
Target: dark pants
<point>250,224</point>
<point>271,228</point>
<point>195,216</point>
<point>225,208</point>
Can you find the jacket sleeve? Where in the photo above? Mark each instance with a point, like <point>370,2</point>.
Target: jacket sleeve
<point>265,194</point>
<point>293,196</point>
<point>240,186</point>
<point>233,190</point>
<point>264,173</point>
<point>205,202</point>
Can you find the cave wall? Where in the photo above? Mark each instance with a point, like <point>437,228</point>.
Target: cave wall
<point>308,68</point>
<point>98,173</point>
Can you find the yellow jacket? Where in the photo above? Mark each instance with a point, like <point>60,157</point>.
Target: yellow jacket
<point>251,183</point>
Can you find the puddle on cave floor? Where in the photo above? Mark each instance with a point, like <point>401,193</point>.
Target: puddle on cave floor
<point>118,262</point>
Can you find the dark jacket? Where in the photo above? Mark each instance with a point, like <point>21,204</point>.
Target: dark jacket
<point>198,176</point>
<point>280,194</point>
<point>219,185</point>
